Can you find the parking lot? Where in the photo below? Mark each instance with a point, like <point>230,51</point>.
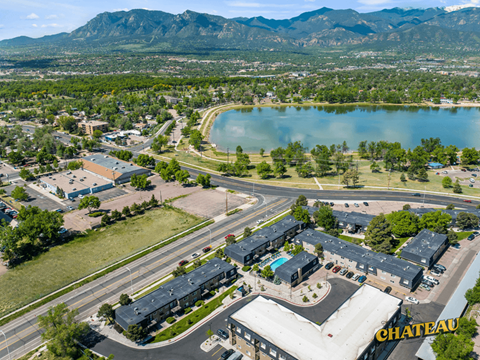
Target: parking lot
<point>36,198</point>
<point>462,176</point>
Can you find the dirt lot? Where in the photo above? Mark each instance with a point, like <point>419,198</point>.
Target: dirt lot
<point>208,203</point>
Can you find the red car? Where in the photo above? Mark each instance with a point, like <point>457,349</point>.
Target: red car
<point>469,201</point>
<point>206,249</point>
<point>226,237</point>
<point>336,269</point>
<point>183,262</point>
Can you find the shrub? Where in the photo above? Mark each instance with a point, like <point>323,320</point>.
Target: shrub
<point>187,310</point>
<point>171,320</point>
<point>199,303</point>
<point>314,296</point>
<point>212,292</point>
<point>228,260</point>
<point>305,298</point>
<point>319,285</point>
<point>234,280</point>
<point>246,268</point>
<point>96,214</point>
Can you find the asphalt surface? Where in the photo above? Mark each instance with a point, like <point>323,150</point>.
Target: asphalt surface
<point>23,335</point>
<point>189,347</point>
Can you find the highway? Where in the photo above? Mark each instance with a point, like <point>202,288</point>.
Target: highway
<point>22,333</point>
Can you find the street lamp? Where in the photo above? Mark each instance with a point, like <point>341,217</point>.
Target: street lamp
<point>8,350</point>
<point>131,283</point>
<point>210,236</point>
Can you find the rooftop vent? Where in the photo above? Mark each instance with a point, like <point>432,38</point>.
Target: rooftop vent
<point>116,162</point>
<point>106,156</point>
<point>153,300</point>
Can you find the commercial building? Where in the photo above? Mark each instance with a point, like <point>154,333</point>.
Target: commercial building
<point>246,251</point>
<point>176,295</point>
<point>425,248</point>
<point>266,330</point>
<point>297,268</point>
<point>386,268</point>
<point>76,182</point>
<point>88,127</point>
<point>112,169</point>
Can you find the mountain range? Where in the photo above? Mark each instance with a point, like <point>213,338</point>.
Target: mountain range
<point>157,30</point>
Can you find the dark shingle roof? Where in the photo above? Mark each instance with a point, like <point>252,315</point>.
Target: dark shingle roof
<point>426,243</point>
<point>353,217</point>
<point>300,260</point>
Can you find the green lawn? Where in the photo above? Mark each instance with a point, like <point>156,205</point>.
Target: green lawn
<point>464,235</point>
<point>196,316</point>
<point>401,241</point>
<point>85,254</point>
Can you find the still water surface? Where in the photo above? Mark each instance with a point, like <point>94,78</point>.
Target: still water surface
<point>270,128</point>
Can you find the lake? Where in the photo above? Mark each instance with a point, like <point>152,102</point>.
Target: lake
<point>271,127</point>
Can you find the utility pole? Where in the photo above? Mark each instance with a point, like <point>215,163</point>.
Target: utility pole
<point>160,197</point>
<point>8,350</point>
<point>131,283</point>
<point>210,236</point>
<point>226,202</point>
<point>253,191</point>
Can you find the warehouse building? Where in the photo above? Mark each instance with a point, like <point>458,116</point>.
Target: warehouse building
<point>74,183</point>
<point>386,268</point>
<point>297,268</point>
<point>425,248</point>
<point>266,330</point>
<point>112,169</point>
<point>176,295</point>
<point>272,237</point>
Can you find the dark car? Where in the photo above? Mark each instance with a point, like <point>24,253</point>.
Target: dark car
<point>416,194</point>
<point>438,269</point>
<point>365,203</point>
<point>427,282</point>
<point>349,275</point>
<point>443,268</point>
<point>387,290</point>
<point>346,205</point>
<point>226,354</point>
<point>332,203</point>
<point>206,249</point>
<point>336,269</point>
<point>222,333</point>
<point>329,266</point>
<point>183,262</point>
<point>362,279</point>
<point>471,237</point>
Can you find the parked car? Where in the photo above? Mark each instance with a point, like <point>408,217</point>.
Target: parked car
<point>62,230</point>
<point>444,172</point>
<point>336,269</point>
<point>443,268</point>
<point>329,266</point>
<point>365,203</point>
<point>435,273</point>
<point>332,204</point>
<point>222,333</point>
<point>412,300</point>
<point>355,204</point>
<point>428,283</point>
<point>343,272</point>
<point>355,277</point>
<point>470,185</point>
<point>456,246</point>
<point>464,170</point>
<point>349,275</point>
<point>70,208</point>
<point>387,290</point>
<point>58,210</point>
<point>259,221</point>
<point>416,194</point>
<point>471,237</point>
<point>476,233</point>
<point>194,255</point>
<point>346,205</point>
<point>437,269</point>
<point>474,175</point>
<point>472,180</point>
<point>432,279</point>
<point>426,287</point>
<point>206,249</point>
<point>227,354</point>
<point>362,279</point>
<point>183,262</point>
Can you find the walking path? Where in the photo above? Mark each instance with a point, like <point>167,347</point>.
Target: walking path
<point>319,185</point>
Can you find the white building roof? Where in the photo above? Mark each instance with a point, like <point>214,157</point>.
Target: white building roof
<point>343,336</point>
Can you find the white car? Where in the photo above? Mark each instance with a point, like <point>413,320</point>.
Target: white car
<point>259,221</point>
<point>355,277</point>
<point>80,196</point>
<point>194,255</point>
<point>412,300</point>
<point>434,273</point>
<point>432,279</point>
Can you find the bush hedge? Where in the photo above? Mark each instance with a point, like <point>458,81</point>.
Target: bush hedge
<point>246,268</point>
<point>96,214</point>
<point>199,303</point>
<point>171,320</point>
<point>187,310</point>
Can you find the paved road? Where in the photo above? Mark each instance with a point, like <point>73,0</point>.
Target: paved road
<point>24,336</point>
<point>189,348</point>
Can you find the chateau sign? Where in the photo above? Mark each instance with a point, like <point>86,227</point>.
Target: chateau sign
<point>417,330</point>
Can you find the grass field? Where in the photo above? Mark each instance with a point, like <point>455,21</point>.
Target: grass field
<point>86,254</point>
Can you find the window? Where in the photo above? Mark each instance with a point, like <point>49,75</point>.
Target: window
<point>239,330</point>
<point>393,282</point>
<point>405,282</point>
<point>341,257</point>
<point>350,261</point>
<point>282,357</point>
<point>248,353</point>
<point>392,275</point>
<point>361,266</point>
<point>372,350</point>
<point>424,261</point>
<point>238,346</point>
<point>370,268</point>
<point>249,345</point>
<point>248,336</point>
<point>273,353</point>
<point>263,345</point>
<point>384,272</point>
<point>382,277</point>
<point>194,293</point>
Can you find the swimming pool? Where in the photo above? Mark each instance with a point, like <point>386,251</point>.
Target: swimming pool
<point>278,262</point>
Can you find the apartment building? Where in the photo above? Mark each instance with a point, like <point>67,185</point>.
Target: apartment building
<point>425,248</point>
<point>88,127</point>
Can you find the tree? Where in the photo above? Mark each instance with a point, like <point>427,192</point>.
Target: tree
<point>262,151</point>
<point>267,272</point>
<point>144,160</point>
<point>161,165</point>
<point>466,220</point>
<point>404,223</point>
<point>319,250</point>
<point>116,215</point>
<point>25,174</point>
<point>106,311</point>
<point>457,189</point>
<point>301,214</point>
<point>153,201</point>
<point>89,202</point>
<point>196,139</point>
<point>159,142</point>
<point>105,220</point>
<point>469,156</point>
<point>124,155</point>
<point>182,176</point>
<point>219,253</point>
<point>19,193</point>
<point>422,175</point>
<point>279,169</point>
<point>450,207</point>
<point>466,327</point>
<point>204,180</point>
<point>448,346</point>
<point>97,134</point>
<point>264,170</point>
<point>297,250</point>
<point>15,157</point>
<point>126,211</point>
<point>324,218</point>
<point>134,333</point>
<point>230,240</point>
<point>403,178</point>
<point>301,201</point>
<point>247,232</point>
<point>406,207</point>
<point>136,208</point>
<point>179,271</point>
<point>124,300</point>
<point>379,234</point>
<point>61,331</point>
<point>140,181</point>
<point>447,182</point>
<point>287,247</point>
<point>433,220</point>
<point>452,237</point>
<point>350,175</point>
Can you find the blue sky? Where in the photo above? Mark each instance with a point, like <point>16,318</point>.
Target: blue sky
<point>36,18</point>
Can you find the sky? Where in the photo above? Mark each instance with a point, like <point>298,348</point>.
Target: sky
<point>36,18</point>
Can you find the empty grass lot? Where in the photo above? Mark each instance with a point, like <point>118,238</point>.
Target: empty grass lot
<point>85,254</point>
